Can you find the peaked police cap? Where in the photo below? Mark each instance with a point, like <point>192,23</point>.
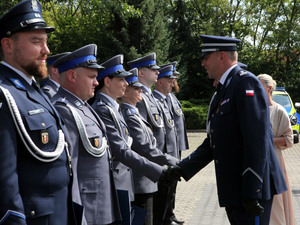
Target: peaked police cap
<point>132,80</point>
<point>51,59</point>
<point>83,57</point>
<point>166,72</point>
<point>113,68</point>
<point>217,43</point>
<point>25,16</point>
<point>146,61</point>
<point>174,67</point>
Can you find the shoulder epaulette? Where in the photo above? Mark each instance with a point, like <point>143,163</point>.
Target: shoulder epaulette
<point>131,112</point>
<point>62,100</point>
<point>46,88</point>
<point>101,103</point>
<point>243,72</point>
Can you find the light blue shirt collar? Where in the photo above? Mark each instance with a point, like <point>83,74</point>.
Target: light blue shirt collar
<point>113,102</point>
<point>160,94</point>
<point>225,75</point>
<point>131,106</point>
<point>23,75</point>
<point>148,90</point>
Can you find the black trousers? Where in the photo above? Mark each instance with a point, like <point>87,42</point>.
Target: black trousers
<point>164,198</point>
<point>239,216</point>
<point>145,201</point>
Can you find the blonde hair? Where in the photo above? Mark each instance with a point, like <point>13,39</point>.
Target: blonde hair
<point>268,80</point>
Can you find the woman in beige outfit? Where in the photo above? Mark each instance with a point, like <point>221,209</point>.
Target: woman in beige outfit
<point>282,212</point>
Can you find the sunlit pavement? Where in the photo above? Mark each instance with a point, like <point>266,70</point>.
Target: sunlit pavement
<point>197,200</point>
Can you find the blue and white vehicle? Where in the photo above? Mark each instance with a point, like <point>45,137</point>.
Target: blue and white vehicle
<point>283,98</point>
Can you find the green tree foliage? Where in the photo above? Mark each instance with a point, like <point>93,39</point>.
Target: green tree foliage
<point>269,30</point>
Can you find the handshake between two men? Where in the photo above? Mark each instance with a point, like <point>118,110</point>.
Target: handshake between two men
<point>170,174</point>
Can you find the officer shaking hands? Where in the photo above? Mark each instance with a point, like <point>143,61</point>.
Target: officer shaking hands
<point>34,166</point>
<point>247,172</point>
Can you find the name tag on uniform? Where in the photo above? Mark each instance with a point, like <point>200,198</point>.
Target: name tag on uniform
<point>36,111</point>
<point>89,124</point>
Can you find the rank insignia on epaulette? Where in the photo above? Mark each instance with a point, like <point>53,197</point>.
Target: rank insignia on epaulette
<point>126,131</point>
<point>242,72</point>
<point>45,137</point>
<point>77,103</point>
<point>150,130</point>
<point>133,111</point>
<point>96,142</point>
<point>100,103</point>
<point>62,100</point>
<point>156,117</point>
<point>18,83</point>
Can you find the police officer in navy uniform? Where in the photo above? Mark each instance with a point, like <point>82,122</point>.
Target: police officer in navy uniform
<point>35,172</point>
<point>51,86</point>
<point>148,107</point>
<point>112,85</point>
<point>144,143</point>
<point>240,140</point>
<point>177,114</point>
<point>163,87</point>
<point>87,134</point>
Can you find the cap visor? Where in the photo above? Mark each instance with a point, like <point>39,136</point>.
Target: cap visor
<point>95,66</point>
<point>136,84</point>
<point>154,67</point>
<point>123,74</point>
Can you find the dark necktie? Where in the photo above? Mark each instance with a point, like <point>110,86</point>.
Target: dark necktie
<point>169,101</point>
<point>36,87</point>
<point>219,87</point>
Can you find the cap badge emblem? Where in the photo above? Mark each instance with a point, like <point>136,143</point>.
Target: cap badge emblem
<point>34,5</point>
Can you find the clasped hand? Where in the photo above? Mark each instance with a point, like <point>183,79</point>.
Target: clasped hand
<point>252,206</point>
<point>170,174</point>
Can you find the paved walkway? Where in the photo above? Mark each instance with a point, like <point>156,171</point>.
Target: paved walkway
<point>197,200</point>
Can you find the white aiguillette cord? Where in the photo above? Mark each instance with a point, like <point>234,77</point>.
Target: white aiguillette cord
<point>96,152</point>
<point>117,123</point>
<point>36,152</point>
<point>150,113</point>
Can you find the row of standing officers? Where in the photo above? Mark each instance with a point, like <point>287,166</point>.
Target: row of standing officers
<point>76,156</point>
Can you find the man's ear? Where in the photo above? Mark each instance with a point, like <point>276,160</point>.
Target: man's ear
<point>141,73</point>
<point>71,75</point>
<point>7,45</point>
<point>223,56</point>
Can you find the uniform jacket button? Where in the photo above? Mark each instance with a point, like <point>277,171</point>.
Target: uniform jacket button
<point>217,161</point>
<point>258,190</point>
<point>214,146</point>
<point>83,188</point>
<point>212,130</point>
<point>32,213</point>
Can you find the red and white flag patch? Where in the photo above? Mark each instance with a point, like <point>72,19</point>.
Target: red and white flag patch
<point>249,92</point>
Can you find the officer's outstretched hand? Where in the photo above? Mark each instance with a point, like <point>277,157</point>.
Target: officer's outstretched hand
<point>170,174</point>
<point>252,206</point>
